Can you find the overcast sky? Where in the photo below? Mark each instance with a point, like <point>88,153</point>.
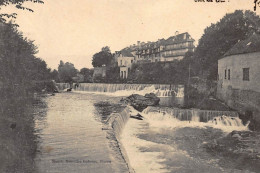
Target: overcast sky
<point>74,30</point>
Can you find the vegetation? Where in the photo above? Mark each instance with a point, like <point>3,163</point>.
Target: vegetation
<point>87,73</point>
<point>66,71</point>
<point>19,67</point>
<point>104,57</point>
<point>214,43</point>
<point>220,37</point>
<point>18,4</point>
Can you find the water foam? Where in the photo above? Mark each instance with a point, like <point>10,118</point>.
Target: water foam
<point>119,92</point>
<point>141,161</point>
<point>165,120</point>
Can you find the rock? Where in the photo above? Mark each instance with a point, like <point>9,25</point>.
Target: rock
<point>140,102</point>
<point>138,116</point>
<point>236,136</point>
<point>135,117</point>
<point>254,125</point>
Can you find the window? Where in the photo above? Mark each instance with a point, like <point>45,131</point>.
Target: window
<point>225,74</point>
<point>132,61</point>
<point>246,74</point>
<point>228,74</point>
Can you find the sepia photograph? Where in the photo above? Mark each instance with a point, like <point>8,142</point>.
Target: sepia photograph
<point>129,86</point>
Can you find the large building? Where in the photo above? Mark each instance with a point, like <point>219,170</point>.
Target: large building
<point>163,50</point>
<point>239,76</point>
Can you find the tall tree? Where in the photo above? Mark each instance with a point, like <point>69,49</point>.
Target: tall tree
<point>18,64</point>
<point>66,71</point>
<point>104,57</point>
<point>220,37</point>
<point>87,73</point>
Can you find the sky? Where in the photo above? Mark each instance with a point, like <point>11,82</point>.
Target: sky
<point>74,30</point>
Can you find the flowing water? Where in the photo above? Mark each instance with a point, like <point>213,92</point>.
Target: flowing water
<point>71,136</point>
<point>88,131</point>
<point>164,143</point>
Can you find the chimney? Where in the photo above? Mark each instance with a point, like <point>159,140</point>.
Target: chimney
<point>176,33</point>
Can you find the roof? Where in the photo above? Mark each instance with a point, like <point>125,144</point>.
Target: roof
<point>251,44</point>
<point>126,53</point>
<point>180,38</point>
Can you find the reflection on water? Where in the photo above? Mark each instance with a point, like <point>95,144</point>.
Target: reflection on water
<point>71,137</point>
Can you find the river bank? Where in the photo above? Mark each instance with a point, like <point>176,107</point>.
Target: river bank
<point>18,142</point>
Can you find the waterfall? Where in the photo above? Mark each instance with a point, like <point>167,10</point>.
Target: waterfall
<point>161,90</point>
<point>117,121</point>
<point>227,121</point>
<point>198,115</point>
<point>115,126</point>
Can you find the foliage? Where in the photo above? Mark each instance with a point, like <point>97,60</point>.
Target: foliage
<point>160,72</point>
<point>220,37</point>
<point>104,57</point>
<point>18,4</point>
<point>19,67</point>
<point>66,72</point>
<point>87,73</point>
<point>112,75</point>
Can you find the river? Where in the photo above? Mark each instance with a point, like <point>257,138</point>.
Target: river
<point>69,133</point>
<point>70,136</point>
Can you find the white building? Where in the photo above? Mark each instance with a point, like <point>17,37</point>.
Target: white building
<point>125,61</point>
<point>239,76</point>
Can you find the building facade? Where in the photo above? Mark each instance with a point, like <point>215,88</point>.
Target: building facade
<point>171,49</point>
<point>125,60</point>
<point>239,76</point>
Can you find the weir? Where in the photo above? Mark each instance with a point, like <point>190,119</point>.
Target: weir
<point>161,90</point>
<point>196,114</point>
<point>115,125</point>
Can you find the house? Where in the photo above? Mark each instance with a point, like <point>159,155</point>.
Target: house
<point>125,61</point>
<point>239,76</point>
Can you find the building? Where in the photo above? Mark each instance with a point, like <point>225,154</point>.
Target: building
<point>239,76</point>
<point>171,49</point>
<point>125,60</point>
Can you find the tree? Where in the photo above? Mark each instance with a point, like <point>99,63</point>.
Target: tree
<point>18,4</point>
<point>66,71</point>
<point>87,73</point>
<point>220,37</point>
<point>19,68</point>
<point>104,57</point>
<point>55,75</point>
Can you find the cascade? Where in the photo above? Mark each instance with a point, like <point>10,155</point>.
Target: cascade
<point>161,90</point>
<point>226,118</point>
<point>227,121</point>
